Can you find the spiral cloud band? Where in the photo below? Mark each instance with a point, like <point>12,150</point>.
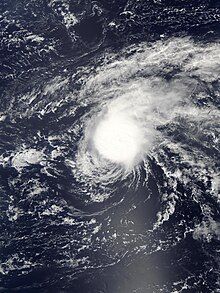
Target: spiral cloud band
<point>150,87</point>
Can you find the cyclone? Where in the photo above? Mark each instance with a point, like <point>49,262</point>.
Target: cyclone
<point>98,145</point>
<point>134,105</point>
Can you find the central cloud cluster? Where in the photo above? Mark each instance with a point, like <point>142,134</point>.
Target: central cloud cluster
<point>119,139</point>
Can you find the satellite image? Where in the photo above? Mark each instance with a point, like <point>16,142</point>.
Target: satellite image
<point>109,146</point>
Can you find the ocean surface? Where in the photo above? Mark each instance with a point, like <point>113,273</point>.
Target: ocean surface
<point>109,146</point>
